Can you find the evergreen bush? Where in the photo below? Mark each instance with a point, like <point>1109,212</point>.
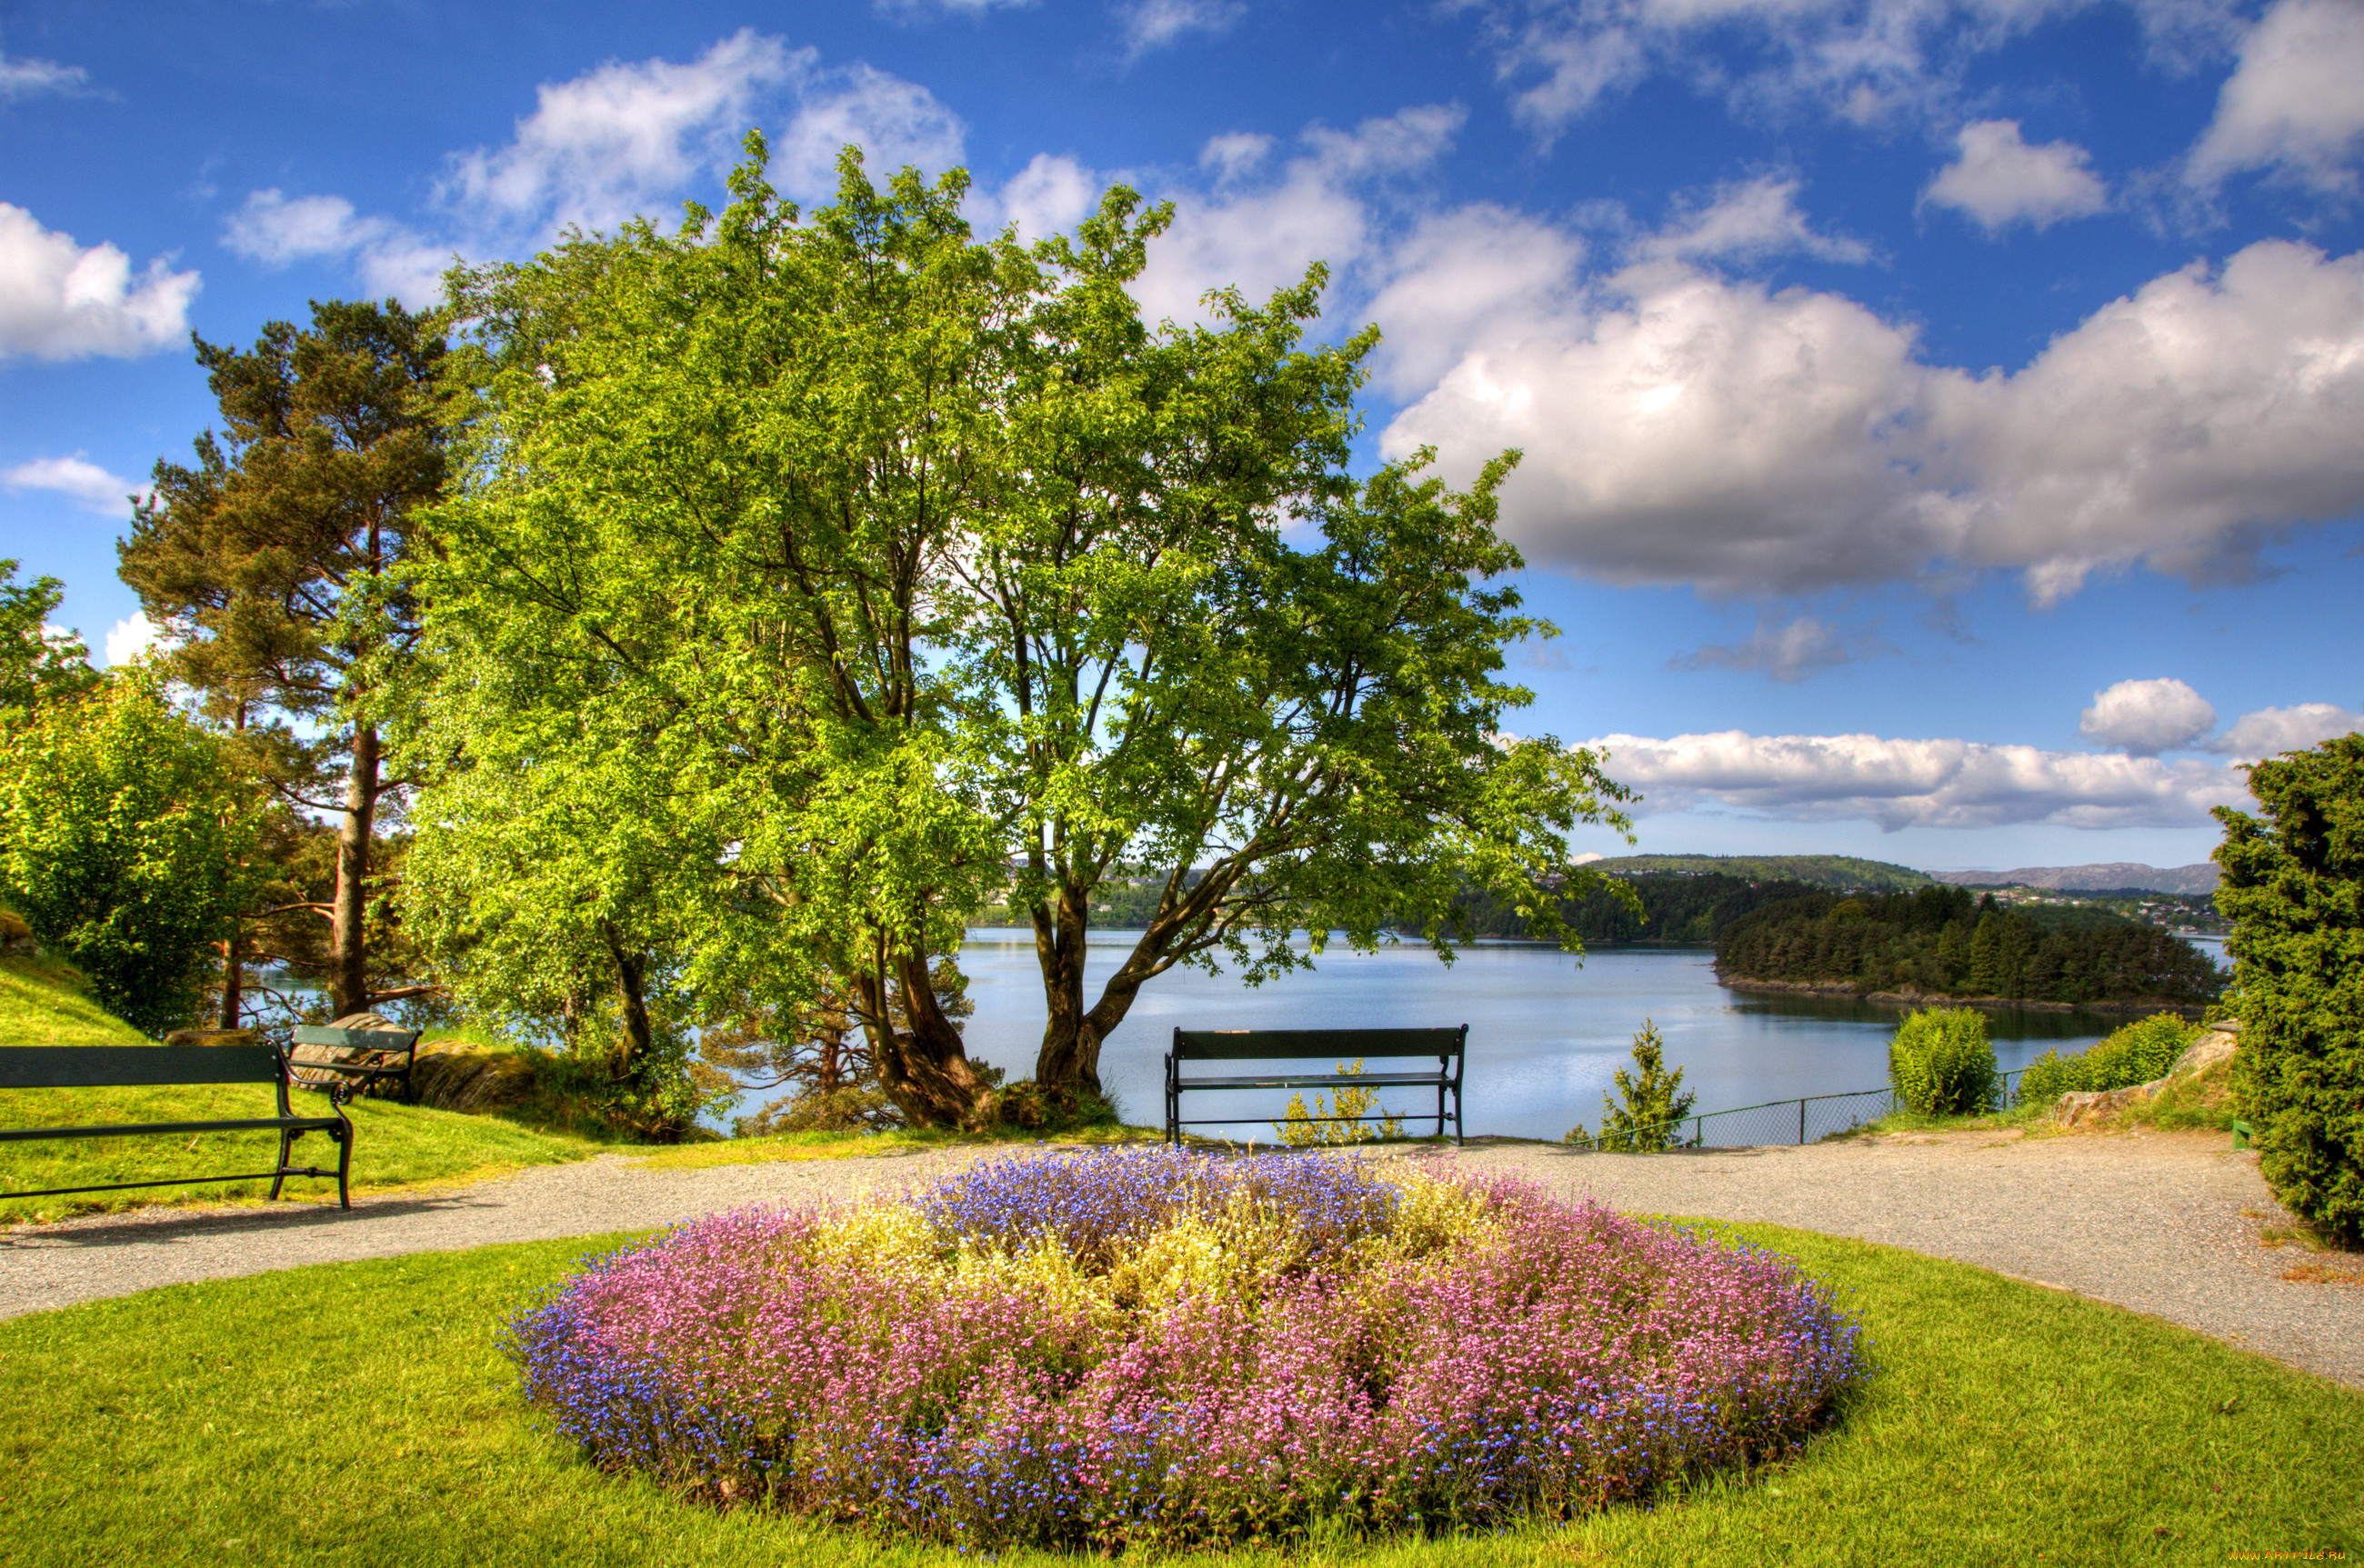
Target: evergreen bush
<point>1941,1064</point>
<point>2293,888</point>
<point>1651,1118</point>
<point>2140,1052</point>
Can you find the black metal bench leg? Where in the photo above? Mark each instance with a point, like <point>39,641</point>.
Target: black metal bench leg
<point>287,1137</point>
<point>345,1136</point>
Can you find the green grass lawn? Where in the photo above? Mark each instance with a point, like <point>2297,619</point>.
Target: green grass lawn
<point>360,1413</point>
<point>393,1144</point>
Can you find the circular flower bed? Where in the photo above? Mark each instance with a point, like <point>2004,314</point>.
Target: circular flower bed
<point>1150,1347</point>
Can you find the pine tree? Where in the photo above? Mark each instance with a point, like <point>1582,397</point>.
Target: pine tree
<point>1654,1106</point>
<point>271,563</point>
<point>2294,890</point>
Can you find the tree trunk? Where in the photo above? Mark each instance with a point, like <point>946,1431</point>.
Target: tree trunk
<point>1073,1035</point>
<point>632,976</point>
<point>925,1069</point>
<point>233,996</point>
<point>348,934</point>
<point>1065,1057</point>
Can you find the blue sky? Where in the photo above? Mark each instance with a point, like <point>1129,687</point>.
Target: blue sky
<point>1942,416</point>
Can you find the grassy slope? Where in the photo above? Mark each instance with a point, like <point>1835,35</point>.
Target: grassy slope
<point>394,1144</point>
<point>2008,1425</point>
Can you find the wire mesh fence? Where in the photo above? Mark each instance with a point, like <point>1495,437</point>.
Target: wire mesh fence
<point>1806,1119</point>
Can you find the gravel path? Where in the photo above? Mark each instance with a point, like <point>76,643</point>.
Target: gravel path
<point>2164,1223</point>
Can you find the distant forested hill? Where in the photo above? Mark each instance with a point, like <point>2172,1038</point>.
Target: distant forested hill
<point>1679,908</point>
<point>2113,876</point>
<point>1843,873</point>
<point>1948,941</point>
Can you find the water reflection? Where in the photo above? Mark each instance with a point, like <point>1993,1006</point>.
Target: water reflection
<point>1545,1033</point>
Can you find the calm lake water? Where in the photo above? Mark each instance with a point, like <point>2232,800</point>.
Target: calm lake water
<point>1546,1030</point>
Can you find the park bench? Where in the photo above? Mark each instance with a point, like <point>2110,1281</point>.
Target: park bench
<point>1446,1046</point>
<point>143,1066</point>
<point>322,1057</point>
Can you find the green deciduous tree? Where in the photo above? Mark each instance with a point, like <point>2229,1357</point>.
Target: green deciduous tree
<point>2293,888</point>
<point>270,564</point>
<point>919,569</point>
<point>125,832</point>
<point>37,663</point>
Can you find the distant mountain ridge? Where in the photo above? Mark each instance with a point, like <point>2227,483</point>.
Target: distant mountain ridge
<point>1842,872</point>
<point>2200,878</point>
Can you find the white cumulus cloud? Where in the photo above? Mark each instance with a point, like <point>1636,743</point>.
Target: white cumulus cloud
<point>1903,783</point>
<point>130,638</point>
<point>893,122</point>
<point>1050,195</point>
<point>2270,731</point>
<point>2146,718</point>
<point>91,487</point>
<point>1999,180</point>
<point>626,140</point>
<point>606,145</point>
<point>2296,102</point>
<point>64,301</point>
<point>1260,237</point>
<point>1746,221</point>
<point>277,230</point>
<point>1684,428</point>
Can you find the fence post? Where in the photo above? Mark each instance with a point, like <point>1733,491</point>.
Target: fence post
<point>1801,1122</point>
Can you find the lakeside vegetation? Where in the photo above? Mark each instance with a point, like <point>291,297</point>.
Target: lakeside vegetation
<point>1946,941</point>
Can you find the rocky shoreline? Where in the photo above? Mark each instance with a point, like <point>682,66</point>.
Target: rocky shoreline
<point>1939,999</point>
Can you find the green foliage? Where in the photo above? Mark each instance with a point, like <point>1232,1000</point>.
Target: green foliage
<point>2139,1052</point>
<point>124,832</point>
<point>816,574</point>
<point>1028,1107</point>
<point>1301,1129</point>
<point>36,663</point>
<point>271,566</point>
<point>1946,941</point>
<point>1650,1117</point>
<point>1941,1064</point>
<point>2293,888</point>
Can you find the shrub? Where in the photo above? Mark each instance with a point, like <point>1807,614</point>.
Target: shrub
<point>1941,1064</point>
<point>1149,1349</point>
<point>125,834</point>
<point>1651,1118</point>
<point>2139,1052</point>
<point>1301,1129</point>
<point>1045,1107</point>
<point>2293,888</point>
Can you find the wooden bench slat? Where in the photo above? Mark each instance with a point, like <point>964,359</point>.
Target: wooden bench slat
<point>134,1066</point>
<point>354,1039</point>
<point>1267,1045</point>
<point>138,1129</point>
<point>1448,1047</point>
<point>1321,1081</point>
<point>159,1066</point>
